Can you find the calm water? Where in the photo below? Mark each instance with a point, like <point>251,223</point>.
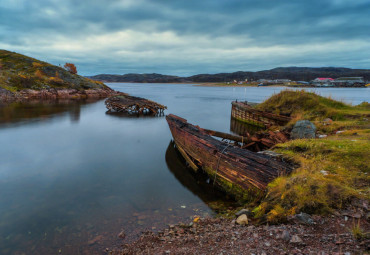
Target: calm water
<point>72,177</point>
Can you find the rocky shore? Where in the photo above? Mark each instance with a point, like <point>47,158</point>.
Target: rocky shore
<point>302,234</point>
<point>45,94</point>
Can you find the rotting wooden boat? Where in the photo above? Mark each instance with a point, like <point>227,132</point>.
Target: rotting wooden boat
<point>242,173</point>
<point>134,105</point>
<point>244,112</point>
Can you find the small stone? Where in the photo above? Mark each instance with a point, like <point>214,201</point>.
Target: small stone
<point>322,136</point>
<point>285,235</point>
<point>295,239</point>
<point>324,172</point>
<point>122,234</point>
<point>242,220</point>
<point>303,218</point>
<point>345,218</point>
<point>267,244</point>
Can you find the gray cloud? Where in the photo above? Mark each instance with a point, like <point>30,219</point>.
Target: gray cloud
<point>188,37</point>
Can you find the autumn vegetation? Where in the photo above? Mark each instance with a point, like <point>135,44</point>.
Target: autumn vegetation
<point>332,171</point>
<point>70,68</point>
<point>20,72</point>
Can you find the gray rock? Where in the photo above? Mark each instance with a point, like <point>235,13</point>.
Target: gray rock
<point>285,235</point>
<point>303,129</point>
<point>243,211</point>
<point>303,218</point>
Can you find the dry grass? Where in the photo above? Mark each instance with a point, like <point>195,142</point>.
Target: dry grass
<point>332,171</point>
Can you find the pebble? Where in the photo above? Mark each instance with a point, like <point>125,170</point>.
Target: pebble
<point>122,234</point>
<point>242,220</point>
<point>295,239</point>
<point>285,235</point>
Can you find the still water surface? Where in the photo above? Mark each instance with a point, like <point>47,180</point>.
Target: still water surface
<point>72,177</point>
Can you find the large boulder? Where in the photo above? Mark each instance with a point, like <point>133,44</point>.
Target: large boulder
<point>303,129</point>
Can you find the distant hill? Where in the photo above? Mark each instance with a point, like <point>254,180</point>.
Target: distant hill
<point>292,73</point>
<point>132,77</point>
<point>25,77</point>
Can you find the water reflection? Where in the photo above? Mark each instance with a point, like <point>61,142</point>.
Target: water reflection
<point>241,128</point>
<point>198,183</point>
<point>45,110</point>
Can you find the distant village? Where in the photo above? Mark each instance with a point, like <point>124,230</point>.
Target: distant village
<point>318,82</point>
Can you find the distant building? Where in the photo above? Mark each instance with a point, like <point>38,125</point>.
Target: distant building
<point>303,82</point>
<point>282,80</point>
<point>323,82</point>
<point>349,81</point>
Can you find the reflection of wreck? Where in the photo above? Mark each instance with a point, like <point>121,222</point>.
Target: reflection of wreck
<point>134,105</point>
<point>198,183</point>
<point>248,114</point>
<point>240,172</point>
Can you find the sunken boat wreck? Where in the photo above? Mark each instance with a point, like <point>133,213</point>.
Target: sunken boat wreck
<point>240,172</point>
<point>134,105</point>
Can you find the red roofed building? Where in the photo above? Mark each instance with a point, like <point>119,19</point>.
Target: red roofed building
<point>326,82</point>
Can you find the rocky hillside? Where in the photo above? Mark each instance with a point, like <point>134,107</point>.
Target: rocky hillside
<point>26,77</point>
<point>292,73</point>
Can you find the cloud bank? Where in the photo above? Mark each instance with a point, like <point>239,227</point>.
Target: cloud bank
<point>188,37</point>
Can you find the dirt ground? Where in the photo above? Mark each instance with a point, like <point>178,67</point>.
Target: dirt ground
<point>326,235</point>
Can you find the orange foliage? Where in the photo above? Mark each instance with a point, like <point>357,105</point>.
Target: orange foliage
<point>39,74</point>
<point>70,68</point>
<point>56,80</point>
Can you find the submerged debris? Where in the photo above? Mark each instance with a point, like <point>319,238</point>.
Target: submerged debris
<point>134,105</point>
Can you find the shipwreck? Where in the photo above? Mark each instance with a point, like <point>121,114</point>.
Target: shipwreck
<point>134,105</point>
<point>244,112</point>
<point>242,173</point>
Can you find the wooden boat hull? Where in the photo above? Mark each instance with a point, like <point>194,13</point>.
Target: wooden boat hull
<point>242,111</point>
<point>239,172</point>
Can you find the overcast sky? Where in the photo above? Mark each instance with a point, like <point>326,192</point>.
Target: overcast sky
<point>184,37</point>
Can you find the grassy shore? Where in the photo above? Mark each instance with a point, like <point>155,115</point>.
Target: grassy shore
<point>333,171</point>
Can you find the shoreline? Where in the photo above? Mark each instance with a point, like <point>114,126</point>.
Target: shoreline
<point>313,234</point>
<point>215,84</point>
